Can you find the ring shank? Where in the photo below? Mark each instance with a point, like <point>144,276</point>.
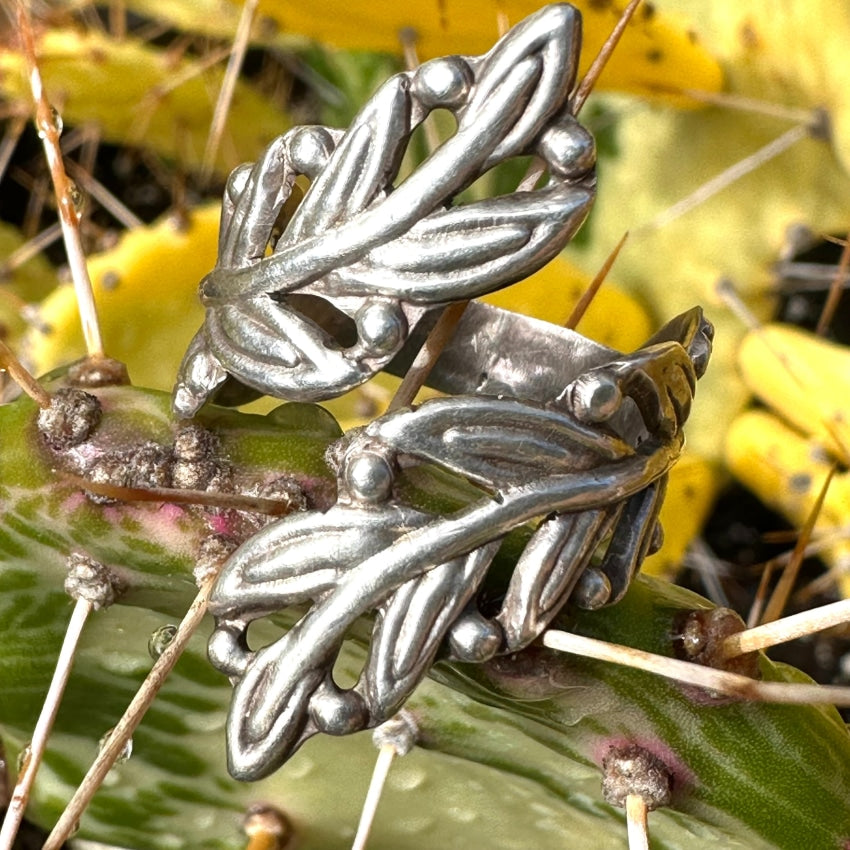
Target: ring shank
<point>499,353</point>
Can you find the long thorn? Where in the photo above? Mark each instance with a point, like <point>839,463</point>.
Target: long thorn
<point>407,38</point>
<point>15,302</point>
<point>39,189</point>
<point>20,795</point>
<point>817,587</point>
<point>376,787</point>
<point>835,288</point>
<point>190,72</point>
<point>228,86</point>
<point>835,240</point>
<point>809,277</point>
<point>10,140</point>
<point>428,355</point>
<point>727,177</point>
<point>49,129</point>
<point>125,727</point>
<point>636,823</point>
<point>118,19</point>
<point>503,22</point>
<point>394,737</point>
<point>760,599</point>
<point>720,681</point>
<point>820,542</point>
<point>22,377</point>
<point>744,104</point>
<point>788,628</point>
<point>178,496</point>
<point>786,582</point>
<point>823,542</point>
<point>156,96</point>
<point>590,293</point>
<point>585,87</point>
<point>825,582</point>
<point>709,568</point>
<point>536,169</point>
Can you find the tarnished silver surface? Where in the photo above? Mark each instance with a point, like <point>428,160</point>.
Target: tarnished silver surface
<point>559,434</point>
<point>362,259</point>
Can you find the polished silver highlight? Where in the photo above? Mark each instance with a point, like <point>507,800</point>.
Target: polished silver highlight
<point>565,442</point>
<point>366,254</point>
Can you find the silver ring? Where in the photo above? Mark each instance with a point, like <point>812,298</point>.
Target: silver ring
<point>563,438</point>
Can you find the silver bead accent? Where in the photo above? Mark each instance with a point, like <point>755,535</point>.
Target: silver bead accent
<point>593,589</point>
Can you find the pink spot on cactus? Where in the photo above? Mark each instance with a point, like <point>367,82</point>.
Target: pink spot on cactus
<point>321,493</point>
<point>219,524</point>
<point>171,513</point>
<point>112,514</point>
<point>76,500</point>
<point>683,776</point>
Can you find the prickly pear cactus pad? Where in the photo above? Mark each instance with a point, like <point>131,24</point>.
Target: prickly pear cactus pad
<point>509,753</point>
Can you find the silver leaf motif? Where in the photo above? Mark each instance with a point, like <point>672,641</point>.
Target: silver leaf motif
<point>377,256</point>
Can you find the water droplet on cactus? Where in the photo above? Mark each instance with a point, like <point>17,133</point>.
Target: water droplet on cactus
<point>211,722</point>
<point>160,639</point>
<point>126,750</point>
<point>55,122</point>
<point>78,198</point>
<point>414,825</point>
<point>24,758</point>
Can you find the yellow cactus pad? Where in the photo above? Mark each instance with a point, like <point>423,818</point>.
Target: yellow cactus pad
<point>787,472</point>
<point>672,262</point>
<point>804,378</point>
<point>138,94</point>
<point>31,280</point>
<point>218,18</point>
<point>146,290</point>
<point>691,490</point>
<point>654,49</point>
<point>793,52</point>
<point>24,285</point>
